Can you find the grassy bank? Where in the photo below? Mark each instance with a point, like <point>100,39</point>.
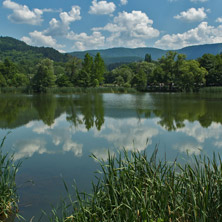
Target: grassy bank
<point>69,90</point>
<point>215,89</point>
<point>8,191</point>
<point>135,188</point>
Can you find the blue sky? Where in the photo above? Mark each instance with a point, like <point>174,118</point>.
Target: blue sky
<point>75,25</point>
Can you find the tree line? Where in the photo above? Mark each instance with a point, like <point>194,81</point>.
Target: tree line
<point>172,72</point>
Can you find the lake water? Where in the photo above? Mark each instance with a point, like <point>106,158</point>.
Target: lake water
<point>55,135</point>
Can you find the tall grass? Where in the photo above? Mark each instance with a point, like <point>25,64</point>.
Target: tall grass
<point>8,194</point>
<point>215,89</point>
<point>68,90</point>
<point>13,90</point>
<point>135,188</point>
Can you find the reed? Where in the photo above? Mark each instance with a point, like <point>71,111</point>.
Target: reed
<point>68,90</point>
<point>215,89</point>
<point>133,187</point>
<point>8,191</point>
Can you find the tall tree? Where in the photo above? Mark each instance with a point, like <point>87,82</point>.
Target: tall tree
<point>44,78</point>
<point>99,69</point>
<point>87,66</point>
<point>73,67</point>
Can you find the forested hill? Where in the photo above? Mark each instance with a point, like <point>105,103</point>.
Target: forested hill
<point>118,55</point>
<point>17,51</point>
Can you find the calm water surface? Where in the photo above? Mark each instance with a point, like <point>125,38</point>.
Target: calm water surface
<point>55,135</point>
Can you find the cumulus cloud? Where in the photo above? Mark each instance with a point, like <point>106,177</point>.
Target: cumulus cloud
<point>102,7</point>
<point>103,153</point>
<point>201,134</point>
<point>39,39</point>
<point>192,15</point>
<point>56,28</point>
<point>198,1</point>
<point>189,148</point>
<point>123,2</point>
<point>84,41</point>
<point>202,34</point>
<point>22,13</point>
<point>28,148</point>
<point>71,16</point>
<point>129,29</point>
<point>62,27</point>
<point>219,20</point>
<point>118,133</point>
<point>74,147</point>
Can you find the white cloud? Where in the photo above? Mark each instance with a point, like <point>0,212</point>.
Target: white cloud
<point>39,39</point>
<point>118,133</point>
<point>218,144</point>
<point>129,30</point>
<point>219,20</point>
<point>192,15</point>
<point>71,16</point>
<point>189,148</point>
<point>200,134</point>
<point>123,2</point>
<point>74,147</point>
<point>202,34</point>
<point>28,148</point>
<point>22,14</point>
<point>103,153</point>
<point>84,41</point>
<point>102,7</point>
<point>198,1</point>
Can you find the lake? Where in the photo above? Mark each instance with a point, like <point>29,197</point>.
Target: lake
<point>55,135</point>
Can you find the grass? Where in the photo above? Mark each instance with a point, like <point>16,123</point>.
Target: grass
<point>8,194</point>
<point>13,90</point>
<point>133,187</point>
<point>67,90</point>
<point>215,89</point>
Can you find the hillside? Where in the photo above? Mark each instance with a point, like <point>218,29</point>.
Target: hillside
<point>125,55</point>
<point>19,51</point>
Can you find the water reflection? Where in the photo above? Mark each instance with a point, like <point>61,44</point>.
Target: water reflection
<point>89,109</point>
<point>58,133</point>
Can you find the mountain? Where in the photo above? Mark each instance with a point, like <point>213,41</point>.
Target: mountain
<point>18,50</point>
<point>126,55</point>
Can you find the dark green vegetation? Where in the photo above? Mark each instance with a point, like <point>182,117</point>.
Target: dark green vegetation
<point>32,69</point>
<point>8,191</point>
<point>134,188</point>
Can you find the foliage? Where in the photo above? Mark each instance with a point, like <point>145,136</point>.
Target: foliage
<point>172,72</point>
<point>44,77</point>
<point>134,188</point>
<point>8,191</point>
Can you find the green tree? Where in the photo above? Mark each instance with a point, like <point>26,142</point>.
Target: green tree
<point>63,81</point>
<point>73,67</point>
<point>3,82</point>
<point>148,58</point>
<point>99,69</point>
<point>140,80</point>
<point>84,79</point>
<point>192,76</point>
<point>20,79</point>
<point>167,64</point>
<point>87,71</point>
<point>44,78</point>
